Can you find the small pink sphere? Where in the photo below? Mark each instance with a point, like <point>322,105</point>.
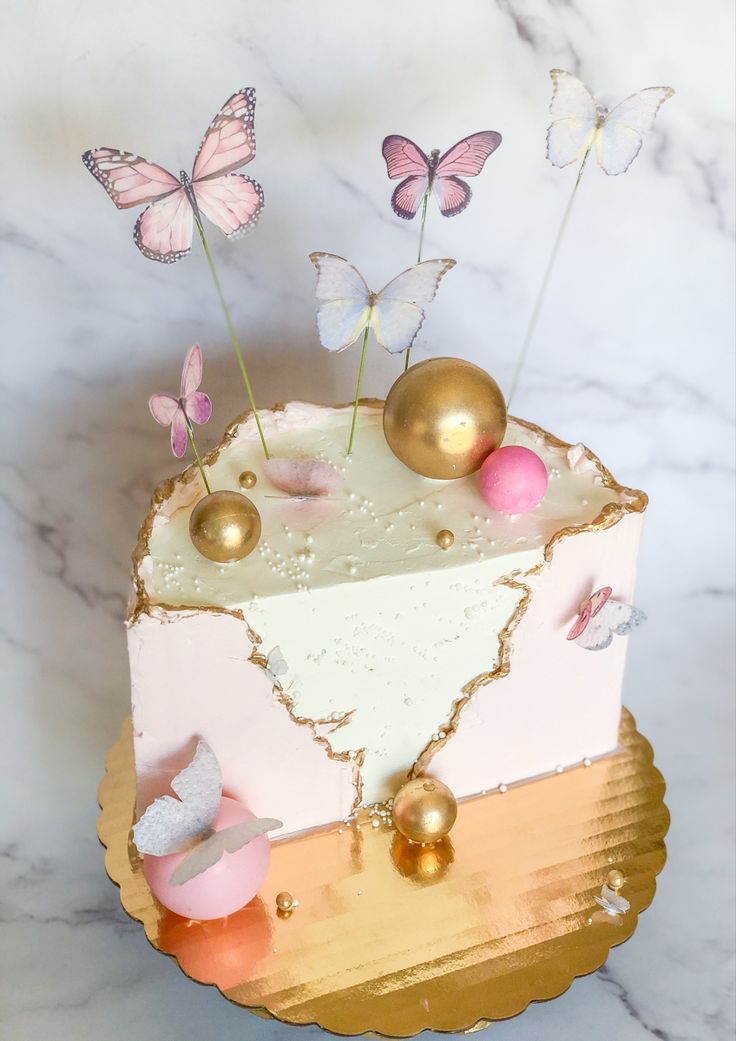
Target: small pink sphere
<point>224,888</point>
<point>513,479</point>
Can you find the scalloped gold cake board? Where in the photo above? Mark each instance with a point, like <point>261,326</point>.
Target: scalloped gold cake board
<point>393,939</point>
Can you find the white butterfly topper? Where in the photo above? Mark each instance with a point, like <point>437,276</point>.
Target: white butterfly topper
<point>600,617</point>
<point>276,665</point>
<point>172,825</point>
<point>347,306</point>
<point>579,124</point>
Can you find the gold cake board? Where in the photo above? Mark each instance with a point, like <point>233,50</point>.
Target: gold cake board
<point>392,939</point>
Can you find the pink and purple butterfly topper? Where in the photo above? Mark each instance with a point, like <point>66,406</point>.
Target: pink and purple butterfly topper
<point>439,174</point>
<point>232,201</point>
<point>192,406</point>
<point>600,617</point>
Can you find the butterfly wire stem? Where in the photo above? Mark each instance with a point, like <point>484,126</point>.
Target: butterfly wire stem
<point>545,283</point>
<point>357,389</point>
<point>193,443</point>
<point>233,336</point>
<point>425,200</point>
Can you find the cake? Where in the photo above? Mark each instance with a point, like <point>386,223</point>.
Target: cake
<point>350,651</point>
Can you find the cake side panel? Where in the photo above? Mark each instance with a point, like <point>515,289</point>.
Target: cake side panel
<point>191,678</point>
<point>559,703</point>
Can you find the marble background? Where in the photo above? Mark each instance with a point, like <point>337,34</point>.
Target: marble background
<point>634,354</point>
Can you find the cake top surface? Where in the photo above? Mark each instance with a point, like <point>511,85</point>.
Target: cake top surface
<point>383,521</point>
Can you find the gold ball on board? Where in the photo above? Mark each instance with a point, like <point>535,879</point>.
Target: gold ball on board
<point>225,526</point>
<point>443,417</point>
<point>615,879</point>
<point>285,901</point>
<point>424,810</point>
<point>247,479</point>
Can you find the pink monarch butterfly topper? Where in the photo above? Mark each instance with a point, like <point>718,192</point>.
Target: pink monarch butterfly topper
<point>600,617</point>
<point>232,201</point>
<point>439,174</point>
<point>192,406</point>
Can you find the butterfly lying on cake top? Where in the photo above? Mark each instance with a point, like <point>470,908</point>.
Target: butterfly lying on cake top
<point>435,173</point>
<point>580,123</point>
<point>232,201</point>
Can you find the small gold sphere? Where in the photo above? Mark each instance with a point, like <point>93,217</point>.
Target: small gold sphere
<point>445,538</point>
<point>443,416</point>
<point>424,810</point>
<point>615,878</point>
<point>285,901</point>
<point>247,479</point>
<point>225,526</point>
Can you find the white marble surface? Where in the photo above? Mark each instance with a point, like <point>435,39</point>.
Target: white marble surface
<point>634,355</point>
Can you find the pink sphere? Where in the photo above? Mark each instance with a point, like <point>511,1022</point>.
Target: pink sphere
<point>227,886</point>
<point>513,479</point>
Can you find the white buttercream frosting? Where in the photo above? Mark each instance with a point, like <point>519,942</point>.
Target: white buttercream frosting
<point>382,523</point>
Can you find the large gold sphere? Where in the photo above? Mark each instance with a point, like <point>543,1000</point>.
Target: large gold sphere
<point>424,810</point>
<point>443,416</point>
<point>225,526</point>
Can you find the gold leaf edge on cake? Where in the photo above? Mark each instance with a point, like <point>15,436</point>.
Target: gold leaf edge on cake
<point>630,500</point>
<point>141,602</point>
<point>143,605</point>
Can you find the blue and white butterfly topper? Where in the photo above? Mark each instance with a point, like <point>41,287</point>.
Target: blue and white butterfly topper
<point>172,825</point>
<point>347,307</point>
<point>580,123</point>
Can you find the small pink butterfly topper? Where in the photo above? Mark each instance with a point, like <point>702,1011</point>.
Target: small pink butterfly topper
<point>192,406</point>
<point>435,173</point>
<point>232,201</point>
<point>600,617</point>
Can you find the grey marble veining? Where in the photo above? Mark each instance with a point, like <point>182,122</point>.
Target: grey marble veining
<point>633,354</point>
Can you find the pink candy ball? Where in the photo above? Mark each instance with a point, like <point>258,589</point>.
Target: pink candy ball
<point>227,886</point>
<point>513,479</point>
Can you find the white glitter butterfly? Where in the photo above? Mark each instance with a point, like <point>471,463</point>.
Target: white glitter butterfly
<point>611,902</point>
<point>346,306</point>
<point>600,616</point>
<point>579,123</point>
<point>172,825</point>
